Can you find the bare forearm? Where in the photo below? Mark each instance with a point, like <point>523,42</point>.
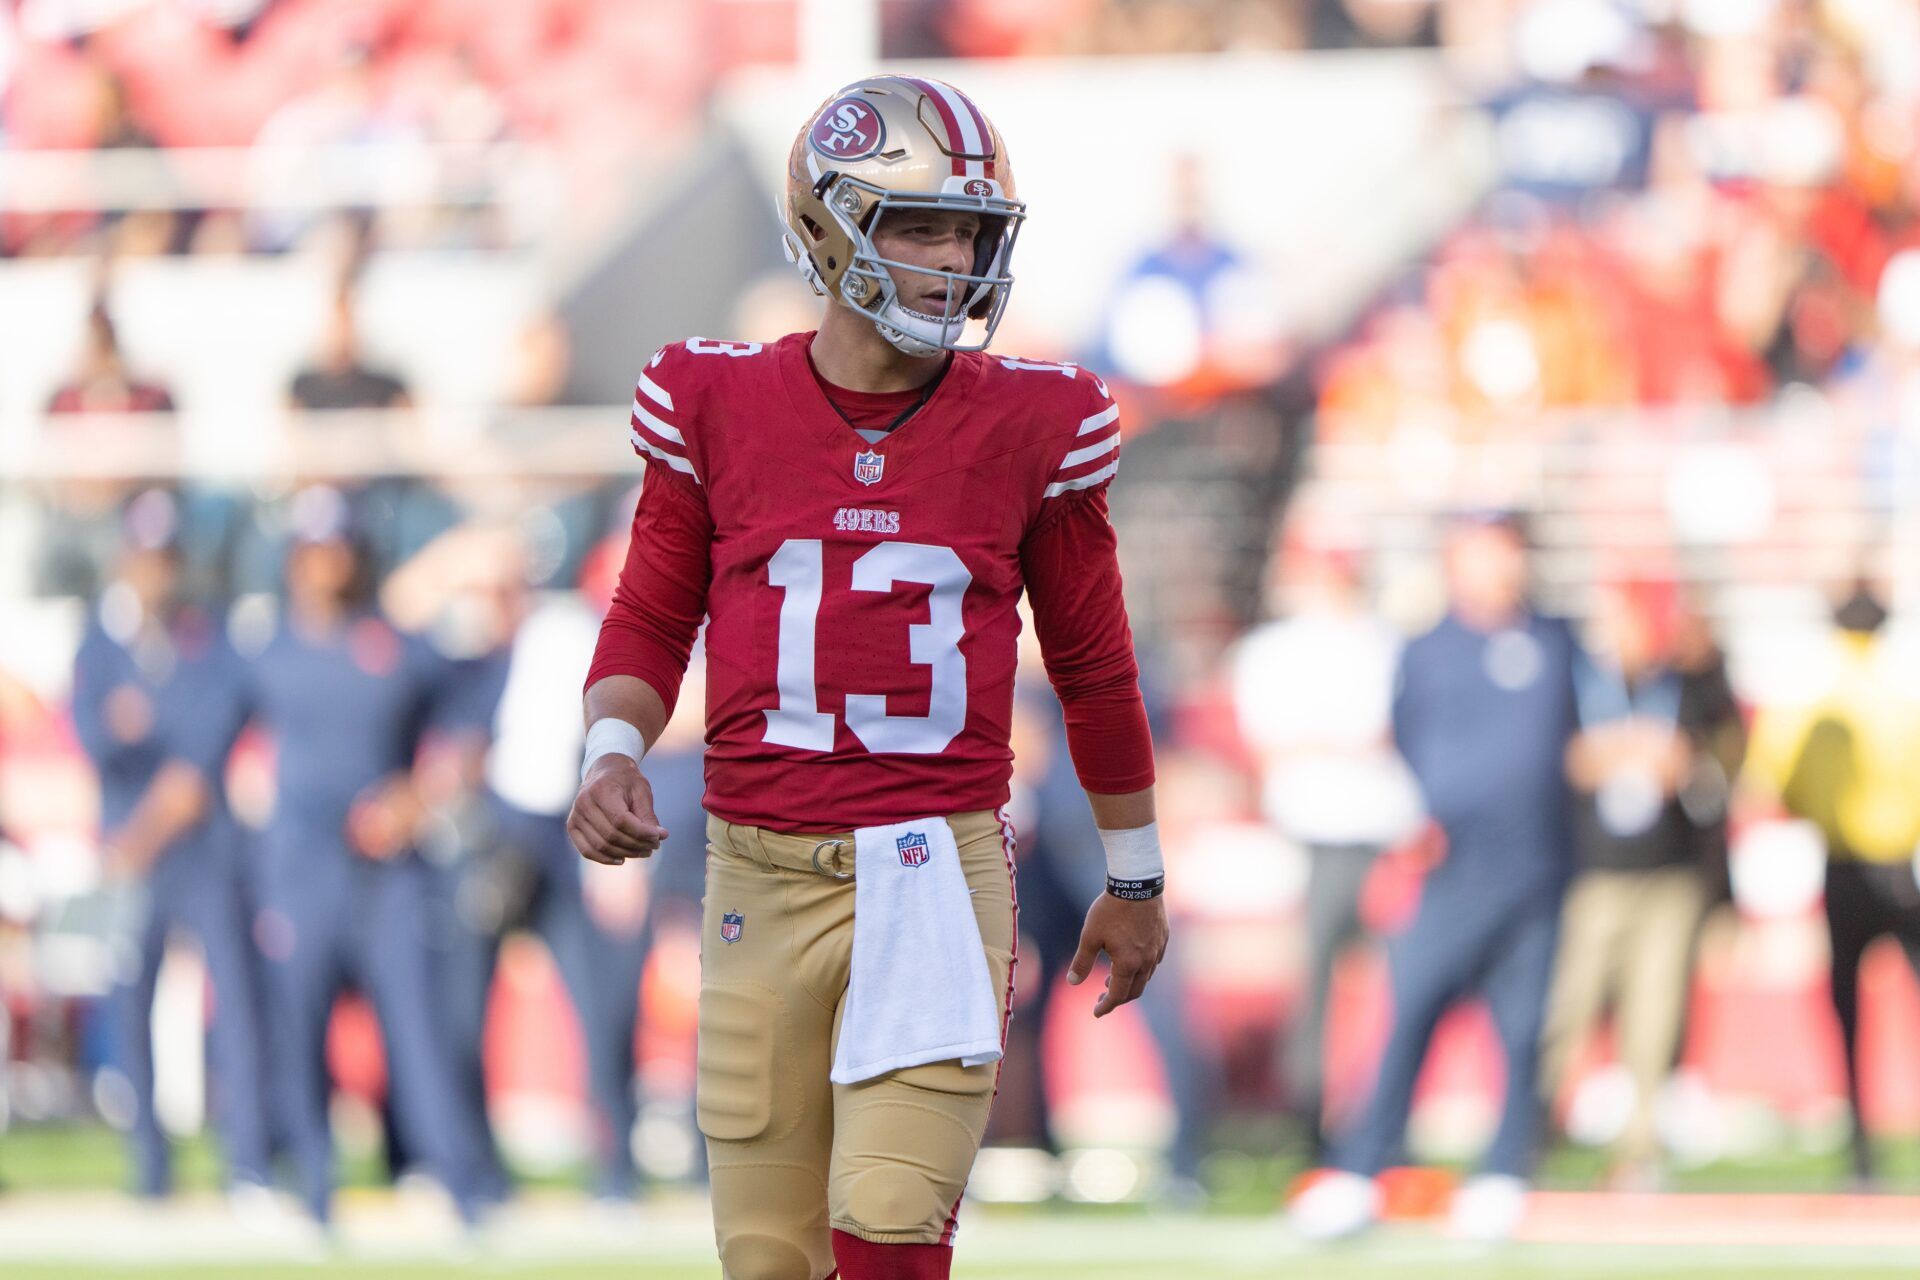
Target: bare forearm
<point>1122,812</point>
<point>631,699</point>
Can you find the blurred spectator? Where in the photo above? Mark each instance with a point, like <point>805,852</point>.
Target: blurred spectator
<point>1062,869</point>
<point>345,109</point>
<point>542,357</point>
<point>396,515</point>
<point>80,533</point>
<point>519,870</point>
<point>1483,713</point>
<point>1847,765</point>
<point>1632,914</point>
<point>1312,691</point>
<point>102,383</point>
<point>996,28</point>
<point>1711,716</point>
<point>1191,313</point>
<point>1373,24</point>
<point>348,701</point>
<point>147,668</point>
<point>341,378</point>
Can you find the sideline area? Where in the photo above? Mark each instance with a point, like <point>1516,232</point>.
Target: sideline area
<point>410,1235</point>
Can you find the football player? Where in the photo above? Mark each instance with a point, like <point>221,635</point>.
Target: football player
<point>856,512</point>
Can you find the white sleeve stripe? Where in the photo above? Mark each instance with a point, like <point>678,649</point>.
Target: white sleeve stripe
<point>1091,452</point>
<point>675,461</point>
<point>1098,420</point>
<point>655,392</point>
<point>658,427</point>
<point>1086,481</point>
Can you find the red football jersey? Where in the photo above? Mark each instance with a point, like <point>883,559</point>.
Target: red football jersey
<point>862,598</point>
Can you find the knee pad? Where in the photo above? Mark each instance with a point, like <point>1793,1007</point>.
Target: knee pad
<point>770,1221</point>
<point>903,1166</point>
<point>760,1257</point>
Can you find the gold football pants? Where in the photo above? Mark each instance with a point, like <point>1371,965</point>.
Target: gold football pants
<point>792,1155</point>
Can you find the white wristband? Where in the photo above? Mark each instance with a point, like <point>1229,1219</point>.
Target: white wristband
<point>610,735</point>
<point>1134,853</point>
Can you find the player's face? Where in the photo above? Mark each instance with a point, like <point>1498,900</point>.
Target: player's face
<point>938,239</point>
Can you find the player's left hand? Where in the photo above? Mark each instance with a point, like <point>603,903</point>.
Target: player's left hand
<point>1134,936</point>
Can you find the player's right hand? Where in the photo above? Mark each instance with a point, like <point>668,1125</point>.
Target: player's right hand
<point>612,818</point>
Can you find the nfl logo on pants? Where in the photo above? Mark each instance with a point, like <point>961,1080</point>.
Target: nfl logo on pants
<point>913,849</point>
<point>731,924</point>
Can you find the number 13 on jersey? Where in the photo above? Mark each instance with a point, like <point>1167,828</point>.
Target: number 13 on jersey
<point>798,569</point>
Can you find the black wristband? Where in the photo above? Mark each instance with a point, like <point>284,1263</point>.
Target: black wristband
<point>1137,890</point>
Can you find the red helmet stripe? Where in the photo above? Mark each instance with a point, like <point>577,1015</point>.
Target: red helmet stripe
<point>947,119</point>
<point>980,123</point>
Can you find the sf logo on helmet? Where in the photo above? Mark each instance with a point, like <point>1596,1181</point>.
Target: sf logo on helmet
<point>847,130</point>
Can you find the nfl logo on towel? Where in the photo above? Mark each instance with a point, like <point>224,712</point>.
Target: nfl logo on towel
<point>731,924</point>
<point>913,849</point>
<point>867,467</point>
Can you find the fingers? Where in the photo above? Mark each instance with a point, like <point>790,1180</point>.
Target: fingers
<point>606,825</point>
<point>616,833</point>
<point>633,830</point>
<point>1124,985</point>
<point>589,848</point>
<point>602,847</point>
<point>640,807</point>
<point>1083,958</point>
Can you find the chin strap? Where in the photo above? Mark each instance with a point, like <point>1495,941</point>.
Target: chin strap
<point>906,343</point>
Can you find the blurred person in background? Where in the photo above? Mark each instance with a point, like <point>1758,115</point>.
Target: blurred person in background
<point>1192,314</point>
<point>1483,711</point>
<point>102,383</point>
<point>346,108</point>
<point>396,515</point>
<point>1711,712</point>
<point>348,701</point>
<point>1847,764</point>
<point>79,536</point>
<point>636,912</point>
<point>518,869</point>
<point>341,377</point>
<point>1642,766</point>
<point>147,665</point>
<point>1312,693</point>
<point>1061,865</point>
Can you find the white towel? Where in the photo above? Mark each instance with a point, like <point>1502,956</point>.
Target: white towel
<point>920,990</point>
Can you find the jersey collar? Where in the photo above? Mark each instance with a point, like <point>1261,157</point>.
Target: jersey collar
<point>821,421</point>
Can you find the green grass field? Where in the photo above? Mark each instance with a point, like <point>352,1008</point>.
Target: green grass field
<point>60,1220</point>
<point>1400,1263</point>
<point>90,1158</point>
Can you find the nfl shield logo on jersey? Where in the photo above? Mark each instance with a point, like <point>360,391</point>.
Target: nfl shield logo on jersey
<point>913,849</point>
<point>731,925</point>
<point>867,467</point>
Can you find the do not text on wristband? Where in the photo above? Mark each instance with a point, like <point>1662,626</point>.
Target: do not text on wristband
<point>1135,869</point>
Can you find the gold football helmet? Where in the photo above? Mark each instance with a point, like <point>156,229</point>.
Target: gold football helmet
<point>893,142</point>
